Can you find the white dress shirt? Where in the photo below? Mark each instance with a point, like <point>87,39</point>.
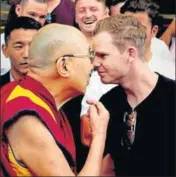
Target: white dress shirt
<point>160,49</point>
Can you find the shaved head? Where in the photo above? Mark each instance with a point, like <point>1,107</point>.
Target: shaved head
<point>24,2</point>
<point>54,41</point>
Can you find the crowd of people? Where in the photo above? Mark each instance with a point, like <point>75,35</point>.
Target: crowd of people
<point>87,89</point>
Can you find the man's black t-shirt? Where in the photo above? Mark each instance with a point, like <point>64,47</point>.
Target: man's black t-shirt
<point>153,150</point>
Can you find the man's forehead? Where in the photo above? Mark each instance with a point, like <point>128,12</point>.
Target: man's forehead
<point>34,5</point>
<point>101,42</point>
<point>89,3</point>
<point>102,37</point>
<point>22,33</point>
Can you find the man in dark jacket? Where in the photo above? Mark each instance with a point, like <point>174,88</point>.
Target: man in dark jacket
<point>18,36</point>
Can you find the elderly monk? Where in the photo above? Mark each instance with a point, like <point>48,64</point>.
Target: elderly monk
<point>36,137</point>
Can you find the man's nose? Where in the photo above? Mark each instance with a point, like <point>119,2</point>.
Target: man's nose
<point>88,13</point>
<point>96,62</point>
<point>26,53</point>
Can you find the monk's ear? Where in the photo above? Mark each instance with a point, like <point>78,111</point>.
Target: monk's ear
<point>63,66</point>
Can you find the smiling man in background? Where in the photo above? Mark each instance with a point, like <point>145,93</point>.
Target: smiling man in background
<point>88,13</point>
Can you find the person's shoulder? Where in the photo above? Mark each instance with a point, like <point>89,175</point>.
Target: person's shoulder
<point>4,79</point>
<point>167,80</point>
<point>158,46</point>
<point>167,84</point>
<point>111,95</point>
<point>160,49</point>
<point>167,95</point>
<point>5,75</point>
<point>156,41</point>
<point>6,90</point>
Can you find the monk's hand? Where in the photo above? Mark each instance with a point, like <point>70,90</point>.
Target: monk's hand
<point>99,118</point>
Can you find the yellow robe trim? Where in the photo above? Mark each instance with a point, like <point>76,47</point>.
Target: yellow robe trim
<point>20,170</point>
<point>19,91</point>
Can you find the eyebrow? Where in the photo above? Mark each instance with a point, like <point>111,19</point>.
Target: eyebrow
<point>32,12</point>
<point>80,8</point>
<point>68,55</point>
<point>93,7</point>
<point>18,42</point>
<point>100,54</point>
<point>85,7</point>
<point>36,13</point>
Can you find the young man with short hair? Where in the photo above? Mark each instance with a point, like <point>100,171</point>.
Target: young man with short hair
<point>140,138</point>
<point>146,11</point>
<point>36,9</point>
<point>18,37</point>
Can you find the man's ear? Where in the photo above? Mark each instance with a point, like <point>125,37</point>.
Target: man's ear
<point>154,30</point>
<point>131,54</point>
<point>18,10</point>
<point>63,67</point>
<point>4,50</point>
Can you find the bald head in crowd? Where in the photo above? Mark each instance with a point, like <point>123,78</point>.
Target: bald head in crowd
<point>57,49</point>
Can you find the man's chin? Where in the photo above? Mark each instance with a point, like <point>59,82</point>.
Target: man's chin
<point>24,72</point>
<point>104,81</point>
<point>89,29</point>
